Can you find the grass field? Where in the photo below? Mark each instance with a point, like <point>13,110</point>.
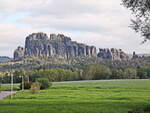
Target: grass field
<point>83,97</point>
<point>7,87</point>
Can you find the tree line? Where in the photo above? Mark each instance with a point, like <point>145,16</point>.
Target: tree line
<point>89,72</point>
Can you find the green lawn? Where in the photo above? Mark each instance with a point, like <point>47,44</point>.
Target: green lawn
<point>82,97</point>
<point>7,87</point>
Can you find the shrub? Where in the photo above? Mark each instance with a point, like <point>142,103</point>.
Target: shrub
<point>44,83</point>
<point>96,72</point>
<point>143,72</point>
<point>35,87</point>
<point>27,85</point>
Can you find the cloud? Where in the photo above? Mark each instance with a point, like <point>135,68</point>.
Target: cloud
<point>95,22</point>
<point>12,36</point>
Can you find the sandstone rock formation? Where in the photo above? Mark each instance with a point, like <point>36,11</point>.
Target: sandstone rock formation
<point>60,46</point>
<point>135,56</point>
<point>19,53</point>
<point>40,45</point>
<point>112,54</point>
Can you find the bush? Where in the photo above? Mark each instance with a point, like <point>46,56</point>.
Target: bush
<point>27,85</point>
<point>35,87</point>
<point>143,72</point>
<point>44,83</point>
<point>96,72</point>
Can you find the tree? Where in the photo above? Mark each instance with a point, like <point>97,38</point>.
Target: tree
<point>96,72</point>
<point>130,73</point>
<point>117,74</point>
<point>88,72</point>
<point>17,78</point>
<point>44,83</point>
<point>144,72</point>
<point>141,11</point>
<point>102,72</point>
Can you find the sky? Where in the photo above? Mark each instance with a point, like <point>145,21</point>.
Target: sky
<point>102,23</point>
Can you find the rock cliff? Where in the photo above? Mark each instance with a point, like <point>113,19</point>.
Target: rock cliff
<point>19,53</point>
<point>135,56</point>
<point>60,46</point>
<point>41,45</point>
<point>112,54</point>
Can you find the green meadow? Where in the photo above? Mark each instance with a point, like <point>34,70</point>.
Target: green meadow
<point>114,96</point>
<point>7,87</point>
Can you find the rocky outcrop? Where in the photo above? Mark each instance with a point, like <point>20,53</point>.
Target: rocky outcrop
<point>19,53</point>
<point>135,56</point>
<point>112,54</point>
<point>40,45</point>
<point>60,46</point>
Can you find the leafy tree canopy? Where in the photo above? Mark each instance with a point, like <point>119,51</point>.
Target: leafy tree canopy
<point>141,22</point>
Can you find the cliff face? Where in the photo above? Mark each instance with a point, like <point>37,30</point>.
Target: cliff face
<point>112,54</point>
<point>39,44</point>
<point>60,46</point>
<point>19,53</point>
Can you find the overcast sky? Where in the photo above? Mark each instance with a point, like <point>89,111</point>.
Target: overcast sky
<point>102,23</point>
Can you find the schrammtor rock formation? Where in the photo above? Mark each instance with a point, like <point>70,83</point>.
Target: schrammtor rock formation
<point>19,53</point>
<point>41,45</point>
<point>112,54</point>
<point>60,46</point>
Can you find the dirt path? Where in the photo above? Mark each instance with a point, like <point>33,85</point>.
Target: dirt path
<point>4,94</point>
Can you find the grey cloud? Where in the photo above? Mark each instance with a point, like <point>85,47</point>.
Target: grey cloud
<point>103,23</point>
<point>54,7</point>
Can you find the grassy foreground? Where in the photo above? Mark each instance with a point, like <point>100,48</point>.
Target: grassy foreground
<point>7,87</point>
<point>82,97</point>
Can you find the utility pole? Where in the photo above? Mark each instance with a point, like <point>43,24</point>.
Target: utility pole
<point>0,85</point>
<point>12,82</point>
<point>23,81</point>
<point>23,75</point>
